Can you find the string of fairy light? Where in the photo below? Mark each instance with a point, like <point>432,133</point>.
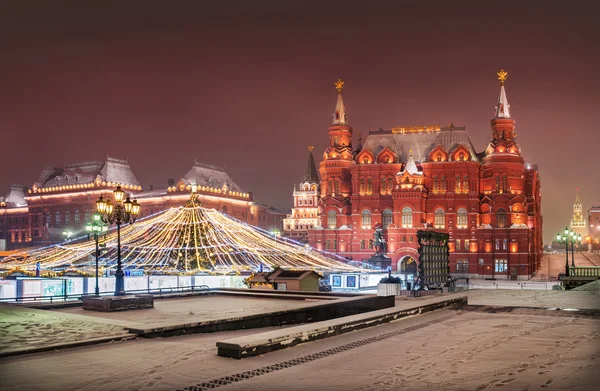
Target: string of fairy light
<point>184,240</point>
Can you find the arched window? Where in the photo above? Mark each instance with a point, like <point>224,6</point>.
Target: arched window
<point>382,188</point>
<point>224,209</point>
<point>331,219</point>
<point>501,218</point>
<point>76,216</point>
<point>337,187</point>
<point>369,186</point>
<point>87,215</point>
<point>386,218</point>
<point>390,185</point>
<point>48,220</point>
<point>57,217</point>
<point>366,218</point>
<point>439,218</point>
<point>67,217</point>
<point>407,217</point>
<point>330,184</point>
<point>462,219</point>
<point>361,188</point>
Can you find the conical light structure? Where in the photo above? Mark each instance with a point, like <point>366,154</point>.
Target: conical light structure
<point>183,240</point>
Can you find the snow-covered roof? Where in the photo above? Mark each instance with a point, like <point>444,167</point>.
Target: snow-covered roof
<point>419,143</point>
<point>112,170</point>
<point>208,175</point>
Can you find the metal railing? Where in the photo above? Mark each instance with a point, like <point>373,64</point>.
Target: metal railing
<point>79,296</point>
<point>584,271</point>
<point>528,285</point>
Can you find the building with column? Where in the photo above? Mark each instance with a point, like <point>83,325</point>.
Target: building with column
<point>412,178</point>
<point>63,200</point>
<point>304,214</point>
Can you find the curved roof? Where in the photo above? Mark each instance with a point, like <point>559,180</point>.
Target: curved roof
<point>421,143</point>
<point>208,175</point>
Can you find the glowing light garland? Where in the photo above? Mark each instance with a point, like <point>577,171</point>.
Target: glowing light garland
<point>183,240</point>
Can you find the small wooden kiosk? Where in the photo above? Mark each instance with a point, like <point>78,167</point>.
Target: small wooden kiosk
<point>285,280</point>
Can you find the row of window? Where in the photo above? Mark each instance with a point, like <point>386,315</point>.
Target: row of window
<point>302,227</point>
<point>59,218</point>
<point>439,219</point>
<point>303,202</point>
<point>500,265</point>
<point>440,185</point>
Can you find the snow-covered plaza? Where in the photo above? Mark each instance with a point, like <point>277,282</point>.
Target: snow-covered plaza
<point>516,345</point>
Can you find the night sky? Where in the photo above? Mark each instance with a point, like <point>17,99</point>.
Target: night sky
<point>248,85</point>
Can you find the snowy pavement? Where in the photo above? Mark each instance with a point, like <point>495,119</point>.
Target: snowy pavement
<point>447,349</point>
<point>471,349</point>
<point>535,299</point>
<point>26,329</point>
<point>192,309</point>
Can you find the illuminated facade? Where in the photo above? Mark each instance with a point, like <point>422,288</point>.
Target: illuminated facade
<point>594,228</point>
<point>62,200</point>
<point>412,178</point>
<point>305,213</point>
<point>578,223</point>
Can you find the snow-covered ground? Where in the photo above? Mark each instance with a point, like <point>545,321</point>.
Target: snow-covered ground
<point>524,349</point>
<point>30,328</point>
<point>445,350</point>
<point>193,309</point>
<point>536,299</point>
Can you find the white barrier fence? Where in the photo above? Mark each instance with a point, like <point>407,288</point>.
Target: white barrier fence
<point>28,287</point>
<point>533,285</point>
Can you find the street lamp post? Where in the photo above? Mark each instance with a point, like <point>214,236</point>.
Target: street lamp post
<point>122,212</point>
<point>568,237</point>
<point>96,227</point>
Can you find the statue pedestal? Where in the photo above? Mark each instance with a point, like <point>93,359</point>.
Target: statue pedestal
<point>117,303</point>
<point>380,261</point>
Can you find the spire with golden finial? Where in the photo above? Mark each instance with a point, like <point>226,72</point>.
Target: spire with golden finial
<point>502,107</point>
<point>339,116</point>
<point>311,174</point>
<point>502,76</point>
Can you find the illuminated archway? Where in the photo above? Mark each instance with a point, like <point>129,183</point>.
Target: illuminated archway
<point>407,265</point>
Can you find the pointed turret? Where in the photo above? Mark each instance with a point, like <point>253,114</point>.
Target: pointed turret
<point>503,126</point>
<point>311,174</point>
<point>411,166</point>
<point>578,223</point>
<point>502,107</point>
<point>359,147</point>
<point>339,116</point>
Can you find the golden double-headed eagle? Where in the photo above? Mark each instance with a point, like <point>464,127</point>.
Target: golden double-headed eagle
<point>502,76</point>
<point>339,84</point>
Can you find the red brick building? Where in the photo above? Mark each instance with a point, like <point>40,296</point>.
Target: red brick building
<point>63,200</point>
<point>412,178</point>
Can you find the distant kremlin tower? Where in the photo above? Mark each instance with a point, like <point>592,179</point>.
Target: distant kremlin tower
<point>412,178</point>
<point>578,223</point>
